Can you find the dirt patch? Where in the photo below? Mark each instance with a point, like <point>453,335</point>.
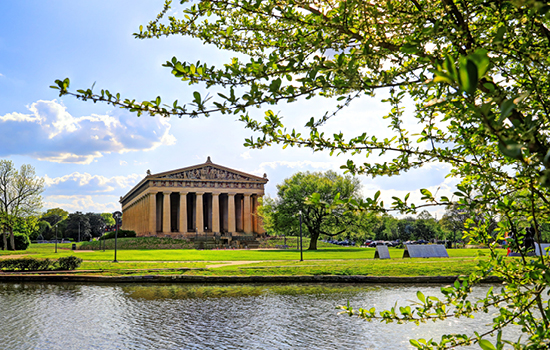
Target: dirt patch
<point>13,256</point>
<point>231,263</point>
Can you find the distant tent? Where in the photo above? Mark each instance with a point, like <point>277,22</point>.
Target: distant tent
<point>425,251</point>
<point>544,247</point>
<point>382,252</point>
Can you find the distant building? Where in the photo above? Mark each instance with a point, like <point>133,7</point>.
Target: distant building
<point>205,199</point>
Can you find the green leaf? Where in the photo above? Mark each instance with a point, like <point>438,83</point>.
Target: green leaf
<point>506,108</point>
<point>468,76</point>
<point>486,345</point>
<point>421,296</point>
<point>511,149</point>
<point>409,48</point>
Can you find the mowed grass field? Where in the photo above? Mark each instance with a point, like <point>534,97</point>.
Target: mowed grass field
<point>328,260</point>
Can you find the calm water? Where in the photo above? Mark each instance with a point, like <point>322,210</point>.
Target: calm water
<point>76,316</point>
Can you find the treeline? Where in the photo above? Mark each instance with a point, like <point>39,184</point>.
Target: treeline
<point>59,223</point>
<point>318,200</point>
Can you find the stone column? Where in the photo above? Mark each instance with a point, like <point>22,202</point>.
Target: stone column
<point>216,212</point>
<point>183,213</point>
<point>259,222</point>
<point>152,213</point>
<point>166,213</point>
<point>198,213</point>
<point>231,227</point>
<point>247,225</point>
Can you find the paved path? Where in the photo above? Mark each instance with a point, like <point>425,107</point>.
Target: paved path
<point>231,263</point>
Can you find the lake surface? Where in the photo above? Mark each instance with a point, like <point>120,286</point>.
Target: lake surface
<point>76,316</point>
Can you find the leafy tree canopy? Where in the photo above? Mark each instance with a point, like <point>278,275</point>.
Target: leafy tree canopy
<point>20,196</point>
<point>109,220</point>
<point>313,195</point>
<point>97,224</point>
<point>78,227</point>
<point>63,214</point>
<point>477,73</point>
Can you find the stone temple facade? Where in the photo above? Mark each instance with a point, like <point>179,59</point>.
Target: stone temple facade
<point>202,200</point>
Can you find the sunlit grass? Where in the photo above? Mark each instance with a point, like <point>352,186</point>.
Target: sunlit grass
<point>331,260</point>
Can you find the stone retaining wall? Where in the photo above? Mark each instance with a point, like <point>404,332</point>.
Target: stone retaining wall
<point>235,279</point>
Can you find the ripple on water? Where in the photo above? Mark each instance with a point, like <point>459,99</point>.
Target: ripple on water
<point>73,316</point>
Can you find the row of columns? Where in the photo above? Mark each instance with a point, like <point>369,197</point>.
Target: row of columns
<point>249,223</point>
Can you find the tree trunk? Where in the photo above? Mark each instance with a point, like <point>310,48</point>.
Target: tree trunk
<point>313,242</point>
<point>12,239</point>
<point>5,238</point>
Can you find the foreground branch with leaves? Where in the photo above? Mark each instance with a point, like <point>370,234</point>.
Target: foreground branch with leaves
<point>477,73</point>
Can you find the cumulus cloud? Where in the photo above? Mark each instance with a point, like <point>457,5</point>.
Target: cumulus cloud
<point>305,164</point>
<point>246,155</point>
<point>49,132</point>
<point>83,203</point>
<point>89,184</point>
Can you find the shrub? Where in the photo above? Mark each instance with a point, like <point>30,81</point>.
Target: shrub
<point>121,234</point>
<point>26,264</point>
<point>22,241</point>
<point>68,263</point>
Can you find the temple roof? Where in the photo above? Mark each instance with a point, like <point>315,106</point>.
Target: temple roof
<point>205,172</point>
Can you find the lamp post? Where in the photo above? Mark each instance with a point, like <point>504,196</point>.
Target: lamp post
<point>117,216</point>
<point>301,248</point>
<point>56,237</point>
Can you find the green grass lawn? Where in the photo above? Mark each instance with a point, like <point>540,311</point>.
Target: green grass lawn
<point>326,253</point>
<point>331,260</point>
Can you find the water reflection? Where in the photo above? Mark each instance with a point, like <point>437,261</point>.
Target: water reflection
<point>76,316</point>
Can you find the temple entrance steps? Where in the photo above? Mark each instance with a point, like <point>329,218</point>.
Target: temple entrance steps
<point>226,241</point>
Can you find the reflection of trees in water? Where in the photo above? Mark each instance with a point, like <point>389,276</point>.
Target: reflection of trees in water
<point>41,288</point>
<point>178,291</point>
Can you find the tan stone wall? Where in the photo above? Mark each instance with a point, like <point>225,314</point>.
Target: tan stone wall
<point>135,216</point>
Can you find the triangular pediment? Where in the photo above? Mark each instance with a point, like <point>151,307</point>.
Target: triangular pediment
<point>208,171</point>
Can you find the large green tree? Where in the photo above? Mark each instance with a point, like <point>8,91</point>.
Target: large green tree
<point>312,195</point>
<point>477,74</point>
<point>20,198</point>
<point>78,226</point>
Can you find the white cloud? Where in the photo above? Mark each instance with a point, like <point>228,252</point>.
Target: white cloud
<point>89,184</point>
<point>296,165</point>
<point>246,155</point>
<point>83,203</point>
<point>51,133</point>
<point>123,163</point>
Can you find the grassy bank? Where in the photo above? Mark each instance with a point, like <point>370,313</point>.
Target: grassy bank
<point>332,260</point>
<point>137,243</point>
<point>328,253</point>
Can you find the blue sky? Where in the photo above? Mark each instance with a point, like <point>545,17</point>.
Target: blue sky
<point>91,154</point>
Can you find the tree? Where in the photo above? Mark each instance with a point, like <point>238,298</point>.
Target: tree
<point>28,226</point>
<point>108,218</point>
<point>97,224</point>
<point>313,195</point>
<point>56,226</point>
<point>63,214</point>
<point>477,73</point>
<point>20,198</point>
<point>78,227</point>
<point>426,227</point>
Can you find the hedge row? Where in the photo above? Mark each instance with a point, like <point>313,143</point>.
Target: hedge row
<point>33,264</point>
<point>121,234</point>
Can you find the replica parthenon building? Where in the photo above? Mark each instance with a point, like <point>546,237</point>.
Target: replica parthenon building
<point>198,200</point>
